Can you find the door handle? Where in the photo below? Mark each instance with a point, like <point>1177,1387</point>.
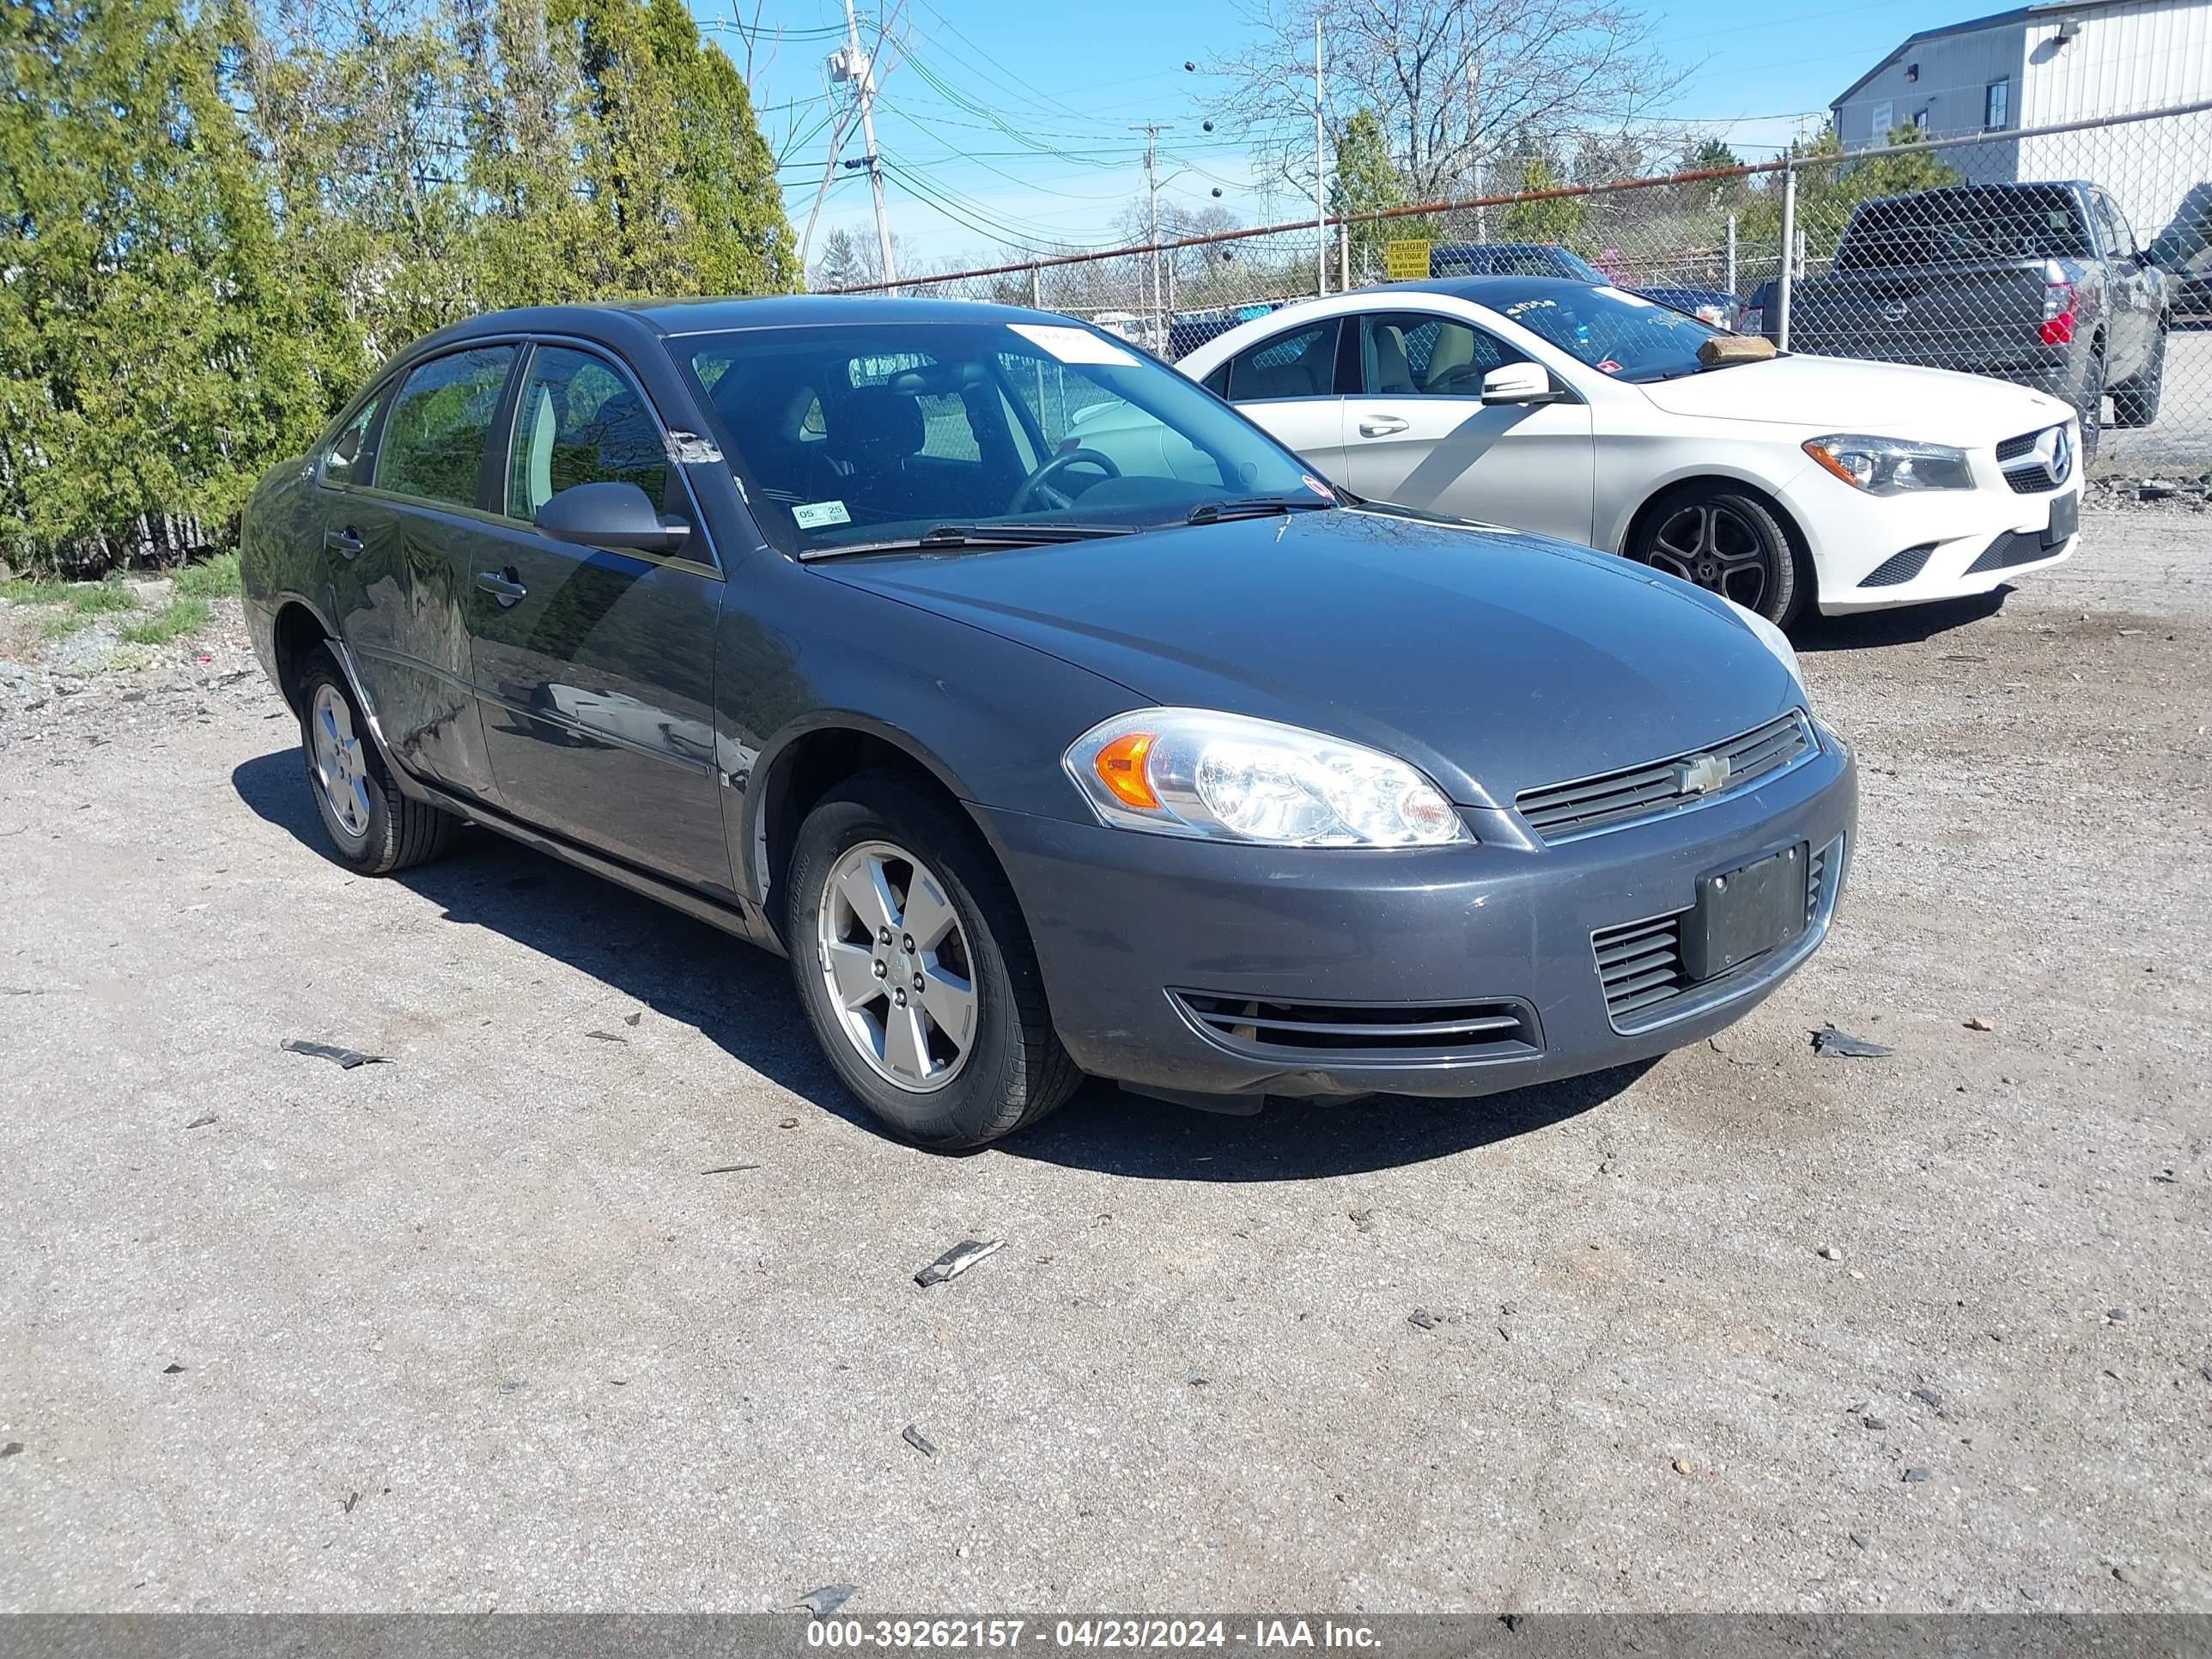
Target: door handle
<point>346,541</point>
<point>503,585</point>
<point>1382,426</point>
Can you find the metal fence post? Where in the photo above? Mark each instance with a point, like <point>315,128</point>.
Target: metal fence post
<point>1036,286</point>
<point>1731,255</point>
<point>1789,241</point>
<point>1343,256</point>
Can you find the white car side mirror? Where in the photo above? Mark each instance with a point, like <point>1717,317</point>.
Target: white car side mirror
<point>1517,383</point>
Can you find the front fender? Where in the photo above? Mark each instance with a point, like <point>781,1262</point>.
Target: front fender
<point>988,718</point>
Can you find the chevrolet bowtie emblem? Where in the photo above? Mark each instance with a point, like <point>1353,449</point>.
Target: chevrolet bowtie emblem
<point>1702,774</point>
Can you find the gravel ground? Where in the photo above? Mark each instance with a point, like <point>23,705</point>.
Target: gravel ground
<point>483,1327</point>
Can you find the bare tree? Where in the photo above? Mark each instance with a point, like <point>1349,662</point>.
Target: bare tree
<point>1455,83</point>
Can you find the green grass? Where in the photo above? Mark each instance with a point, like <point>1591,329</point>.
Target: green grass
<point>186,617</point>
<point>216,579</point>
<point>93,599</point>
<point>87,599</point>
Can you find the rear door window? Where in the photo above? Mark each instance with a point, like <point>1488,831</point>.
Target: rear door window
<point>432,445</point>
<point>350,458</point>
<point>1300,362</point>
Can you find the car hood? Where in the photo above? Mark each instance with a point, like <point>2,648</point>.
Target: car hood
<point>1494,661</point>
<point>1840,394</point>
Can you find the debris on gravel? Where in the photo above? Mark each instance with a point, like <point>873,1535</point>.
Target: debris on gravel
<point>828,1599</point>
<point>346,1059</point>
<point>920,1441</point>
<point>1830,1041</point>
<point>958,1260</point>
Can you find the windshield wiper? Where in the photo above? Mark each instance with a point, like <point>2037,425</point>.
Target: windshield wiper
<point>1257,506</point>
<point>947,536</point>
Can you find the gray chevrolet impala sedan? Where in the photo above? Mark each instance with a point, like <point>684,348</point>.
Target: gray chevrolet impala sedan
<point>1050,717</point>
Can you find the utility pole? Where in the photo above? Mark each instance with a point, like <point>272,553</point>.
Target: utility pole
<point>1474,143</point>
<point>1321,175</point>
<point>1153,129</point>
<point>854,66</point>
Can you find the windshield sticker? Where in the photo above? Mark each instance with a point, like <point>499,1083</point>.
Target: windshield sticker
<point>1317,486</point>
<point>1609,367</point>
<point>1628,299</point>
<point>689,448</point>
<point>1522,307</point>
<point>812,515</point>
<point>1073,345</point>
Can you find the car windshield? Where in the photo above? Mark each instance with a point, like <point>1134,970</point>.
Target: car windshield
<point>1622,335</point>
<point>873,435</point>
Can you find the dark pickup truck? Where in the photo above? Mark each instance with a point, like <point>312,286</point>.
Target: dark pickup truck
<point>2041,284</point>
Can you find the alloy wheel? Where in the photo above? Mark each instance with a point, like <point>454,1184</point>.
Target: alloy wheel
<point>1716,547</point>
<point>896,963</point>
<point>341,765</point>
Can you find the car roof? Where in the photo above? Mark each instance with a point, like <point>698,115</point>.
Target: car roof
<point>1494,291</point>
<point>713,315</point>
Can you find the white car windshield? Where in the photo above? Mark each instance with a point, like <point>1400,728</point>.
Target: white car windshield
<point>1622,335</point>
<point>939,434</point>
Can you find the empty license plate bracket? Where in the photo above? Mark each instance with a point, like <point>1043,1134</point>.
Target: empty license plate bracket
<point>1746,912</point>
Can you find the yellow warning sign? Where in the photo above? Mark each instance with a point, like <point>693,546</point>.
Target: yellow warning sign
<point>1406,262</point>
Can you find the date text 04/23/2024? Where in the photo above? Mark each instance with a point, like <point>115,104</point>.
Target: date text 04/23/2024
<point>984,1634</point>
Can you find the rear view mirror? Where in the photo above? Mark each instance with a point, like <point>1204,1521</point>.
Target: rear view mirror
<point>1517,383</point>
<point>610,515</point>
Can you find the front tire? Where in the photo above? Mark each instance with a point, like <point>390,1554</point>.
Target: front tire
<point>1727,542</point>
<point>915,968</point>
<point>372,827</point>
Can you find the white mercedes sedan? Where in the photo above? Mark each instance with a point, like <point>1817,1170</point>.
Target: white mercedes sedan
<point>1586,413</point>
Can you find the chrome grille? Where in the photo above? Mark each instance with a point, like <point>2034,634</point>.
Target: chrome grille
<point>1340,1032</point>
<point>1564,810</point>
<point>2024,469</point>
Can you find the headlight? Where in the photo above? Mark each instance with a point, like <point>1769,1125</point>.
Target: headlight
<point>1889,466</point>
<point>1772,637</point>
<point>1227,777</point>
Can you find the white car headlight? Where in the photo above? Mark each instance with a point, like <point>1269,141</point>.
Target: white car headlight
<point>1891,466</point>
<point>1772,637</point>
<point>1227,777</point>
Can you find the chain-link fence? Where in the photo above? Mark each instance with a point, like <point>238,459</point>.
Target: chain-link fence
<point>2074,257</point>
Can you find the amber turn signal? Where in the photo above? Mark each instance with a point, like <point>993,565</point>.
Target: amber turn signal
<point>1121,766</point>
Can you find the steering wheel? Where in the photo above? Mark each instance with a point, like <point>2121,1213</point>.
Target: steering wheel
<point>1037,484</point>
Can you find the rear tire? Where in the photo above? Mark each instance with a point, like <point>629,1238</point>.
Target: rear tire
<point>1729,543</point>
<point>992,1063</point>
<point>2090,403</point>
<point>2135,403</point>
<point>372,827</point>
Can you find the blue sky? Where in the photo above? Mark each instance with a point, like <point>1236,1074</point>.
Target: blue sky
<point>1072,80</point>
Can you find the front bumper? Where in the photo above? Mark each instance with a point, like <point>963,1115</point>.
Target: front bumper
<point>1123,922</point>
<point>1852,537</point>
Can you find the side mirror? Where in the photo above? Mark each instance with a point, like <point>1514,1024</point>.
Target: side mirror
<point>1518,383</point>
<point>610,515</point>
